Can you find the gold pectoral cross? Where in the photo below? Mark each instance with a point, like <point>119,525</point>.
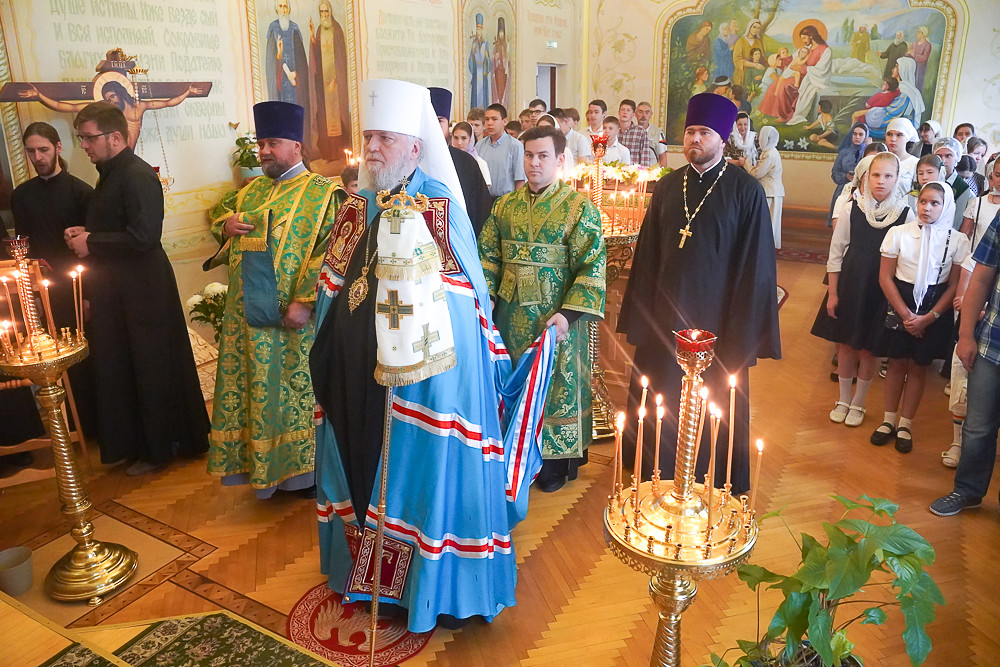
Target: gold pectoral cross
<point>685,233</point>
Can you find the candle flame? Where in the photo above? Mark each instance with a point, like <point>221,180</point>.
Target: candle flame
<point>660,411</point>
<point>716,411</point>
<point>45,283</point>
<point>3,279</point>
<point>620,422</point>
<point>703,392</point>
<point>72,274</point>
<point>5,324</point>
<point>79,268</point>
<point>760,446</point>
<point>732,381</point>
<point>17,275</point>
<point>645,382</point>
<point>642,413</point>
<point>659,399</point>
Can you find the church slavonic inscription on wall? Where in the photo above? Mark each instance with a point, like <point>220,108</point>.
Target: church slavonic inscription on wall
<point>411,41</point>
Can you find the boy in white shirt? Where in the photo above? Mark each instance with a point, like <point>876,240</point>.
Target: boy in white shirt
<point>615,151</point>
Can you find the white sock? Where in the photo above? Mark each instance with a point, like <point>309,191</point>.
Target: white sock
<point>905,423</point>
<point>888,418</point>
<point>861,393</point>
<point>845,389</point>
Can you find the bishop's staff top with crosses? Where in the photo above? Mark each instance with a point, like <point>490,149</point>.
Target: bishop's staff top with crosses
<point>412,322</point>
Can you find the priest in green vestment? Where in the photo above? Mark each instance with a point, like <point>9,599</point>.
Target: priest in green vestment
<point>273,234</point>
<point>543,254</point>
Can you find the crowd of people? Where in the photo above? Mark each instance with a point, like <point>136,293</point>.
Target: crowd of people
<point>912,280</point>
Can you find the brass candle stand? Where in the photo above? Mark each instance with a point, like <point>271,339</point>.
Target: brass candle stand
<point>91,569</point>
<point>678,532</point>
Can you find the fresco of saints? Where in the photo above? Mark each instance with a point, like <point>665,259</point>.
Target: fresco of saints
<point>699,49</point>
<point>285,64</point>
<point>328,66</point>
<point>921,53</point>
<point>501,64</point>
<point>861,44</point>
<point>741,53</point>
<point>479,67</point>
<point>892,53</point>
<point>818,72</point>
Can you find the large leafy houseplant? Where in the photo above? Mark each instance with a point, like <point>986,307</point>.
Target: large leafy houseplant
<point>245,154</point>
<point>805,630</point>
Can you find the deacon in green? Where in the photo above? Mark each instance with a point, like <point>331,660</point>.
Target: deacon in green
<point>273,234</point>
<point>543,254</point>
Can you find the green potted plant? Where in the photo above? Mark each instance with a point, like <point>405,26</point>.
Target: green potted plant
<point>209,306</point>
<point>805,630</point>
<point>245,156</point>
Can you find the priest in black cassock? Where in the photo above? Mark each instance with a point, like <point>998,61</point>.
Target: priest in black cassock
<point>704,259</point>
<point>43,208</point>
<point>478,200</point>
<point>149,398</point>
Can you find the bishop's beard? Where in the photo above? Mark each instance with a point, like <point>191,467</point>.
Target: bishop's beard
<point>378,176</point>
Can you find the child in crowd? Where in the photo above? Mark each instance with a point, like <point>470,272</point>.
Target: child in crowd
<point>476,118</point>
<point>919,275</point>
<point>615,151</point>
<point>461,138</point>
<point>929,168</point>
<point>513,128</point>
<point>842,205</point>
<point>768,172</point>
<point>854,304</point>
<point>349,177</point>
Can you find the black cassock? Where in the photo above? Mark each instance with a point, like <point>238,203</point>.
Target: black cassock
<point>478,200</point>
<point>149,398</point>
<point>724,281</point>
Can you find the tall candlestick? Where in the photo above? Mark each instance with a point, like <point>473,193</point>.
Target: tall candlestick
<point>732,429</point>
<point>76,300</point>
<point>79,272</point>
<point>710,476</point>
<point>645,387</point>
<point>48,309</point>
<point>756,476</point>
<point>616,485</point>
<point>660,410</point>
<point>637,469</point>
<point>10,311</point>
<point>5,338</point>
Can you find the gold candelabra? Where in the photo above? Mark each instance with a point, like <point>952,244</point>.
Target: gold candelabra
<point>92,569</point>
<point>678,531</point>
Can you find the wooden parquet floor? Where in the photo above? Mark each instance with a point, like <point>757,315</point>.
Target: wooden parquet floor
<point>577,605</point>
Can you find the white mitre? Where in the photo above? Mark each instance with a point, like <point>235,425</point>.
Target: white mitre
<point>400,106</point>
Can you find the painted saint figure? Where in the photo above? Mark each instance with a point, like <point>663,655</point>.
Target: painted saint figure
<point>479,67</point>
<point>742,50</point>
<point>328,67</point>
<point>285,64</point>
<point>921,53</point>
<point>501,64</point>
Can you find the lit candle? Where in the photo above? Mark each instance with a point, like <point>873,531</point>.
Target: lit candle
<point>79,272</point>
<point>10,305</point>
<point>756,477</point>
<point>710,475</point>
<point>616,484</point>
<point>637,470</point>
<point>732,422</point>
<point>76,301</point>
<point>48,308</point>
<point>660,410</point>
<point>5,338</point>
<point>645,387</point>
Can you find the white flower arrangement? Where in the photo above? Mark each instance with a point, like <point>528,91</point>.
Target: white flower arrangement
<point>208,306</point>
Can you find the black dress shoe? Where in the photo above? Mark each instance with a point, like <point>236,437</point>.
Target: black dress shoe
<point>880,438</point>
<point>449,622</point>
<point>551,484</point>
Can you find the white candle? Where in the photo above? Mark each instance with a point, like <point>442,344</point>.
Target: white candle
<point>756,477</point>
<point>48,309</point>
<point>79,271</point>
<point>616,484</point>
<point>732,423</point>
<point>637,470</point>
<point>76,300</point>
<point>645,387</point>
<point>660,410</point>
<point>10,310</point>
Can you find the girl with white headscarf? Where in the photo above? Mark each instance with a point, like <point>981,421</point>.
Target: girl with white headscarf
<point>921,263</point>
<point>855,305</point>
<point>907,161</point>
<point>768,172</point>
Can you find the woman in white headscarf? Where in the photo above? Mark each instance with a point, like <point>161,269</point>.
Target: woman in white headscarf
<point>768,172</point>
<point>854,305</point>
<point>741,148</point>
<point>921,264</point>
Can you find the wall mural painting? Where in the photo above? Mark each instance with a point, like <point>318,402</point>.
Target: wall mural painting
<point>299,51</point>
<point>488,43</point>
<point>810,69</point>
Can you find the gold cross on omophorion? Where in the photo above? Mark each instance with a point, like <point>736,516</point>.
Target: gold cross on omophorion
<point>393,309</point>
<point>423,344</point>
<point>685,233</point>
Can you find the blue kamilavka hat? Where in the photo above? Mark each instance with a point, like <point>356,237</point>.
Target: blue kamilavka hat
<point>711,110</point>
<point>278,120</point>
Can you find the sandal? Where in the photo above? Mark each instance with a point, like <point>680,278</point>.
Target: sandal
<point>855,416</point>
<point>904,440</point>
<point>839,413</point>
<point>951,457</point>
<point>880,438</point>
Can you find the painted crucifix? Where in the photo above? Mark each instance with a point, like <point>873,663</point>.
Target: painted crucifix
<point>113,85</point>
